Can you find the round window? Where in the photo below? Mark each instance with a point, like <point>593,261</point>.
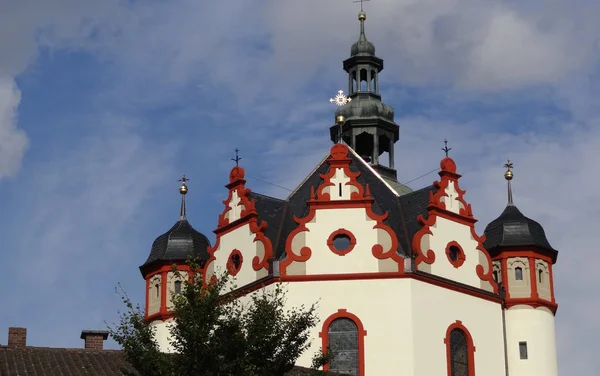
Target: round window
<point>453,253</point>
<point>341,242</point>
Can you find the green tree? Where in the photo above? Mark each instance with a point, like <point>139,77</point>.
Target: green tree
<point>215,334</point>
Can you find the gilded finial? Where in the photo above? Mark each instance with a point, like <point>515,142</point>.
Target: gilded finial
<point>183,189</point>
<point>508,175</point>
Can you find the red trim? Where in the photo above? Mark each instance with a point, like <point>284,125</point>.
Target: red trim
<point>460,254</point>
<point>533,278</point>
<point>393,275</point>
<point>531,255</point>
<point>504,270</point>
<point>532,302</point>
<point>470,347</point>
<point>551,283</point>
<point>437,208</point>
<point>163,293</point>
<point>345,232</point>
<point>230,265</point>
<point>163,269</point>
<point>248,215</point>
<point>147,296</point>
<point>324,334</point>
<point>361,198</point>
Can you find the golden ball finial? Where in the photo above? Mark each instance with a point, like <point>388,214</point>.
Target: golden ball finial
<point>183,189</point>
<point>339,120</point>
<point>508,175</point>
<point>362,16</point>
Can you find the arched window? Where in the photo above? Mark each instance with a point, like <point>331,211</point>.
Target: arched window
<point>459,351</point>
<point>343,335</point>
<point>495,275</point>
<point>343,343</point>
<point>518,274</point>
<point>157,289</point>
<point>541,275</point>
<point>177,287</point>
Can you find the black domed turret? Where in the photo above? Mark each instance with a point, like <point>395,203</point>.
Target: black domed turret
<point>512,229</point>
<point>180,243</point>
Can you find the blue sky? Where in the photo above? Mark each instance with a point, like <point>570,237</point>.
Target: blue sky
<point>105,103</point>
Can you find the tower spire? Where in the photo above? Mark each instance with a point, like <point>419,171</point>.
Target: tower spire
<point>183,189</point>
<point>508,175</point>
<point>368,127</point>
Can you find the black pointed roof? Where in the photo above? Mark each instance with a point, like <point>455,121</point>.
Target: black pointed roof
<point>178,244</point>
<point>513,229</point>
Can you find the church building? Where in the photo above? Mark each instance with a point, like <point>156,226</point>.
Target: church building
<point>404,283</point>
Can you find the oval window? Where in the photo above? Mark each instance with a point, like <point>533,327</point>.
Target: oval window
<point>453,253</point>
<point>341,242</point>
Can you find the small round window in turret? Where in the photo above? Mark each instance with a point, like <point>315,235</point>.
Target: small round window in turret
<point>455,254</point>
<point>341,242</point>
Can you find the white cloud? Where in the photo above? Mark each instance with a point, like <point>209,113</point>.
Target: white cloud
<point>264,58</point>
<point>13,141</point>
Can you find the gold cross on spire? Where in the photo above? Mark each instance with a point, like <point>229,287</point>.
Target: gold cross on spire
<point>183,189</point>
<point>508,175</point>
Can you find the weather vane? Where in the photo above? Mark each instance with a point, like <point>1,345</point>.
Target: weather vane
<point>184,179</point>
<point>446,149</point>
<point>508,165</point>
<point>340,99</point>
<point>361,3</point>
<point>237,157</point>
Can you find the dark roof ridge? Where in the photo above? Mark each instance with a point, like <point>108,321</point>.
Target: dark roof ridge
<point>252,193</point>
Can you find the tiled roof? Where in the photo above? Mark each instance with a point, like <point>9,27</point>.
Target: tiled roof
<point>513,229</point>
<point>45,361</point>
<point>178,244</point>
<point>402,205</point>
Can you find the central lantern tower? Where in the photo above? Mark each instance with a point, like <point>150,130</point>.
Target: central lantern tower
<point>369,126</point>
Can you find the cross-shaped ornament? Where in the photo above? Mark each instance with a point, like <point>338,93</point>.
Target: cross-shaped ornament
<point>340,99</point>
<point>508,165</point>
<point>237,157</point>
<point>361,3</point>
<point>184,179</point>
<point>446,149</point>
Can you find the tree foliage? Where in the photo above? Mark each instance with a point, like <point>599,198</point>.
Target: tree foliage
<point>215,334</point>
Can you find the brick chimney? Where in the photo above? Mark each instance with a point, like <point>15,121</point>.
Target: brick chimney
<point>17,337</point>
<point>94,339</point>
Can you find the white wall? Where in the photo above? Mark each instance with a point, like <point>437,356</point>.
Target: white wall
<point>241,239</point>
<point>536,327</point>
<point>406,322</point>
<point>162,334</point>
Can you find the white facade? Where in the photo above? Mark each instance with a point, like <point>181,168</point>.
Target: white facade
<point>404,308</point>
<point>531,329</point>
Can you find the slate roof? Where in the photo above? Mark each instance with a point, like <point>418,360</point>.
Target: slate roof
<point>402,204</point>
<point>45,361</point>
<point>177,244</point>
<point>513,229</point>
